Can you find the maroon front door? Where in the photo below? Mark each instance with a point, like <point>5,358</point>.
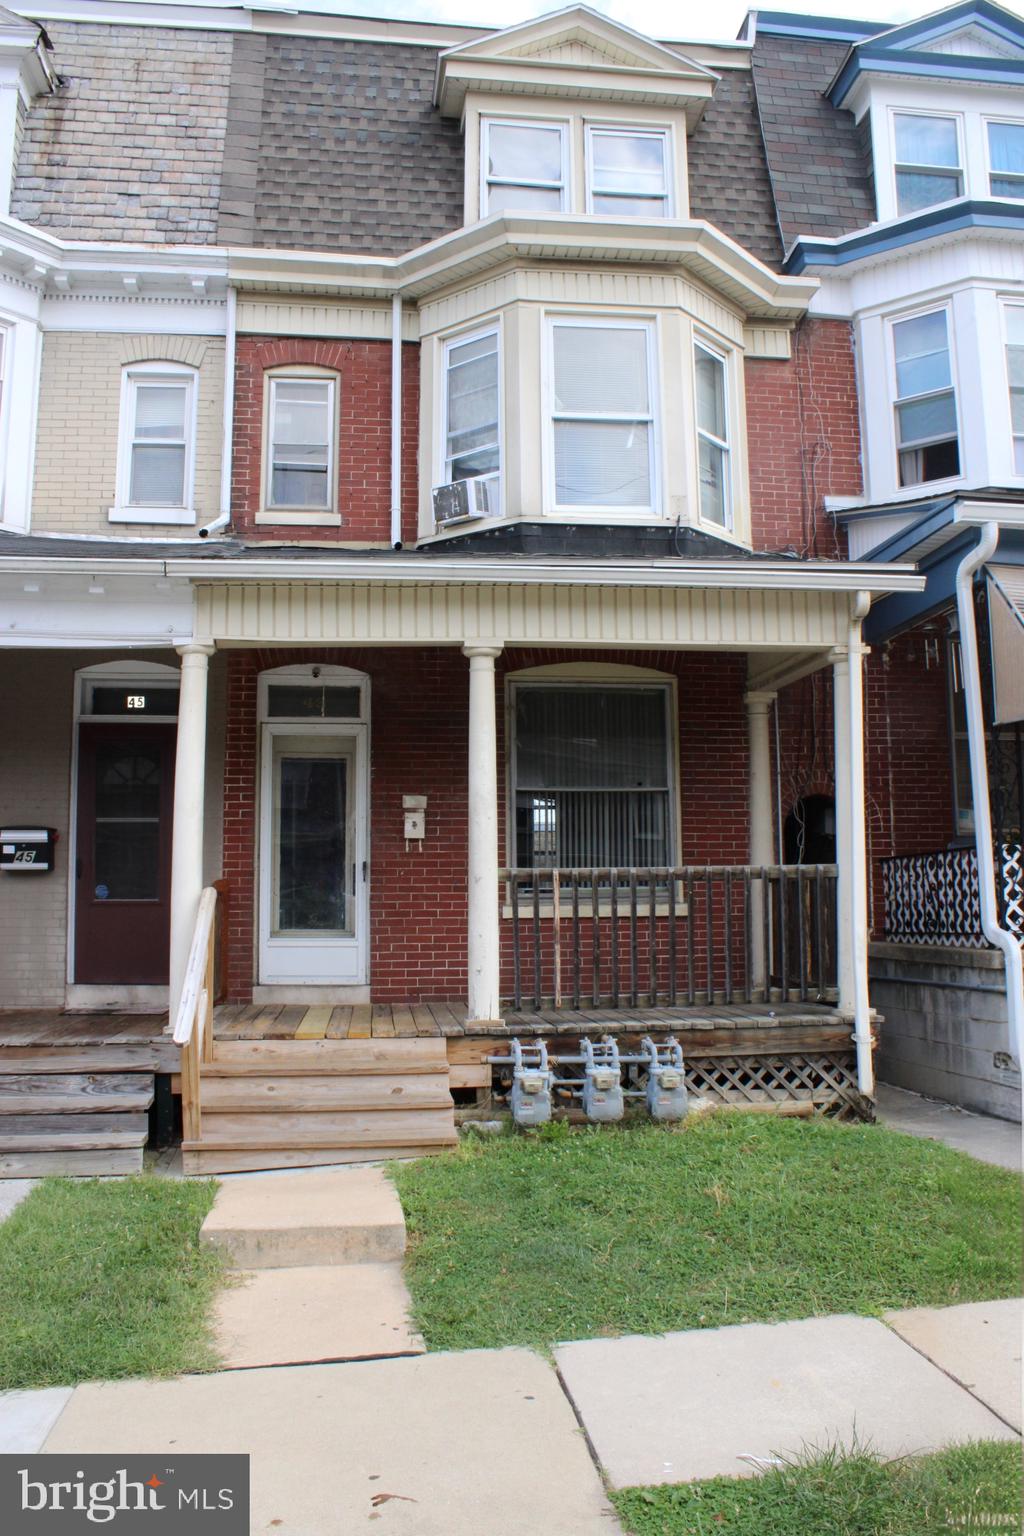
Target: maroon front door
<point>123,873</point>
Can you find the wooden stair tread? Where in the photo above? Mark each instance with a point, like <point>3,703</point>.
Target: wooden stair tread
<point>32,1094</point>
<point>69,1139</point>
<point>94,1059</point>
<point>101,1162</point>
<point>313,1094</point>
<point>307,1142</point>
<point>17,1125</point>
<point>343,1057</point>
<point>219,1160</point>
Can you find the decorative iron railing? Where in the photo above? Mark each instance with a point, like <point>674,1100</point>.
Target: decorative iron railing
<point>932,898</point>
<point>623,938</point>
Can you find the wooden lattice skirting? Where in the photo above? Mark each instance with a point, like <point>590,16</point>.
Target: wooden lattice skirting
<point>828,1080</point>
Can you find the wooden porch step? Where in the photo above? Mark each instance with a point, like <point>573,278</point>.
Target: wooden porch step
<point>332,1091</point>
<point>349,1058</point>
<point>330,1128</point>
<point>75,1093</point>
<point>15,1059</point>
<point>72,1133</point>
<point>64,1163</point>
<point>201,1160</point>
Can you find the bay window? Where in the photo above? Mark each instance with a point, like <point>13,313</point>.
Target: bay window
<point>602,419</point>
<point>1015,372</point>
<point>927,442</point>
<point>522,166</point>
<point>628,173</point>
<point>713,471</point>
<point>157,440</point>
<point>471,430</point>
<point>300,435</point>
<point>928,166</point>
<point>1006,159</point>
<point>592,776</point>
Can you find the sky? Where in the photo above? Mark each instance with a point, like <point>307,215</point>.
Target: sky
<point>665,19</point>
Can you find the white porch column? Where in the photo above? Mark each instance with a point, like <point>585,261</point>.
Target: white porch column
<point>762,839</point>
<point>851,847</point>
<point>187,845</point>
<point>483,931</point>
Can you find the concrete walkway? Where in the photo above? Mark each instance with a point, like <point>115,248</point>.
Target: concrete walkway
<point>493,1440</point>
<point>982,1136</point>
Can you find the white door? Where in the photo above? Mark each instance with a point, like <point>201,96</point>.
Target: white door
<point>313,848</point>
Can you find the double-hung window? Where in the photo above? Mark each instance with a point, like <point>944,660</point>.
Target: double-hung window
<point>1006,159</point>
<point>602,415</point>
<point>628,173</point>
<point>1015,371</point>
<point>928,164</point>
<point>472,436</point>
<point>713,469</point>
<point>592,776</point>
<point>927,443</point>
<point>300,433</point>
<point>523,167</point>
<point>157,440</point>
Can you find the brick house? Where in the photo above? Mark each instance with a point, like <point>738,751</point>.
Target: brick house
<point>431,466</point>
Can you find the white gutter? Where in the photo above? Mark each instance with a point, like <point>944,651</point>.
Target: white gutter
<point>396,421</point>
<point>1000,937</point>
<point>858,851</point>
<point>228,435</point>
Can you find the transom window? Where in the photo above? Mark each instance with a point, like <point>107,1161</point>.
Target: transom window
<point>158,410</point>
<point>602,415</point>
<point>1015,372</point>
<point>523,167</point>
<point>301,436</point>
<point>1006,159</point>
<point>627,173</point>
<point>592,776</point>
<point>926,424</point>
<point>713,470</point>
<point>472,439</point>
<point>928,167</point>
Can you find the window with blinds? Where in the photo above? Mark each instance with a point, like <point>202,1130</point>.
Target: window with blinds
<point>602,415</point>
<point>592,777</point>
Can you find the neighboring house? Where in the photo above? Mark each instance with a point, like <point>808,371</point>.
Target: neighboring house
<point>920,245</point>
<point>418,451</point>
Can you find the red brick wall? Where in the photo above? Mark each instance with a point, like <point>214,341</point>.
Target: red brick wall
<point>803,436</point>
<point>364,446</point>
<point>419,713</point>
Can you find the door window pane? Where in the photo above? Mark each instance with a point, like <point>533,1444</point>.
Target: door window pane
<point>312,701</point>
<point>310,835</point>
<point>1006,159</point>
<point>127,820</point>
<point>302,412</point>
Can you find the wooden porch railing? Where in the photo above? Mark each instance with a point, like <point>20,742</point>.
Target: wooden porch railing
<point>193,1024</point>
<point>690,936</point>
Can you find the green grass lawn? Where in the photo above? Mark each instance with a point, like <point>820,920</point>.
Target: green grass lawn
<point>972,1489</point>
<point>570,1234</point>
<point>101,1280</point>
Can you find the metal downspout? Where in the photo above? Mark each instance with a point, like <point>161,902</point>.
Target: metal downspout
<point>998,936</point>
<point>396,421</point>
<point>223,519</point>
<point>859,894</point>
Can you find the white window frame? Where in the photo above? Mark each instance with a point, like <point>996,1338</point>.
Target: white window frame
<point>604,323</point>
<point>636,131</point>
<point>1012,122</point>
<point>561,124</point>
<point>132,374</point>
<point>960,169</point>
<point>273,512</point>
<point>1005,307</point>
<point>896,400</point>
<point>459,339</point>
<point>700,343</point>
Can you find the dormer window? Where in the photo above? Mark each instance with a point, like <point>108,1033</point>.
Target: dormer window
<point>628,173</point>
<point>523,166</point>
<point>1006,159</point>
<point>928,162</point>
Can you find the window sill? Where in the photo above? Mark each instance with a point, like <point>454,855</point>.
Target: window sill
<point>547,909</point>
<point>284,518</point>
<point>179,516</point>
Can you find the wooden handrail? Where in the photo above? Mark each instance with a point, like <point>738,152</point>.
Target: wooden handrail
<point>193,1024</point>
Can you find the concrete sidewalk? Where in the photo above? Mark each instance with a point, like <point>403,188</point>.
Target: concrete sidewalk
<point>981,1136</point>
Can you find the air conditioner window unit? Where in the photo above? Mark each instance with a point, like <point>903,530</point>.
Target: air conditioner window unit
<point>464,499</point>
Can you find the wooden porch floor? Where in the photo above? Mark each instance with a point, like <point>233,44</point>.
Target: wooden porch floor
<point>389,1021</point>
